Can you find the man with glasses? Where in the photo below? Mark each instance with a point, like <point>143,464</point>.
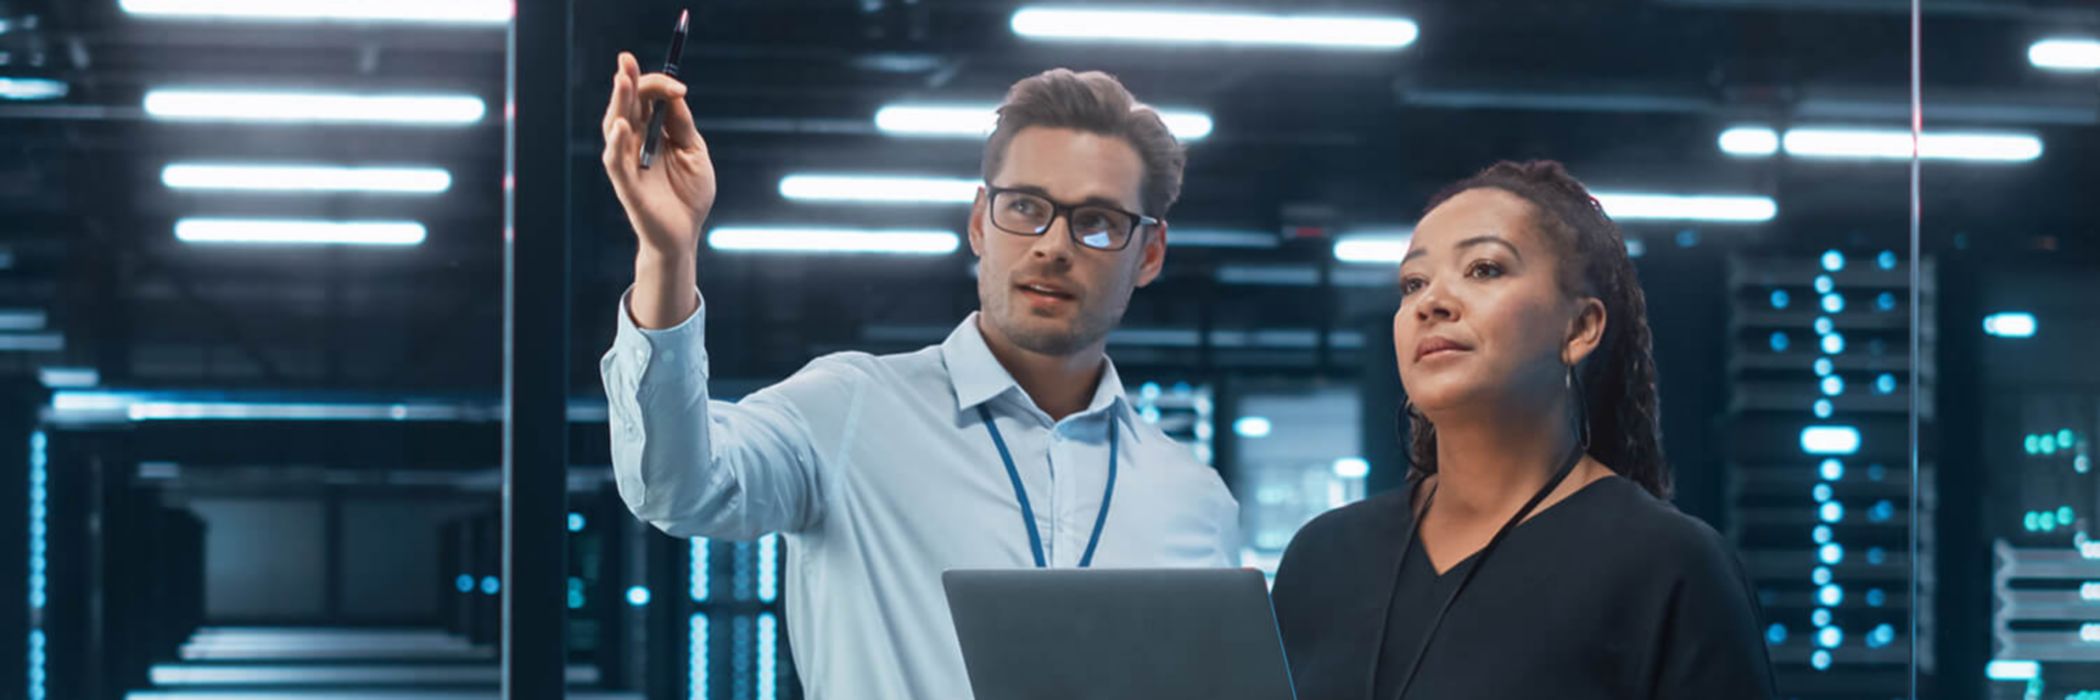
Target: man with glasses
<point>1011,444</point>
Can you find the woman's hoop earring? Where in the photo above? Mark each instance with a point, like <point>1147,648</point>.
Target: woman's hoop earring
<point>1582,408</point>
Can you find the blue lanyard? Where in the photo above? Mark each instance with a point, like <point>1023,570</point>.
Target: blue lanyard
<point>1035,539</point>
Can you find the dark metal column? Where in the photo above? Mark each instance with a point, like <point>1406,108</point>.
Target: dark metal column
<point>536,341</point>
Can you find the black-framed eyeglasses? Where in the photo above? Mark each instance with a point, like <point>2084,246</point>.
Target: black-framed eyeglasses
<point>1097,226</point>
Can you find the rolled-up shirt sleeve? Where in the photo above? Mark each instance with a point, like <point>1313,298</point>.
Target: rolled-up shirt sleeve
<point>696,467</point>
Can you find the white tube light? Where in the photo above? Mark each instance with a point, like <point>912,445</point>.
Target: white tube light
<point>298,231</point>
<point>284,106</point>
<point>804,239</point>
<point>1385,249</point>
<point>1187,27</point>
<point>485,12</point>
<point>32,89</point>
<point>878,189</point>
<point>1626,206</point>
<point>305,178</point>
<point>2067,54</point>
<point>1881,144</point>
<point>978,120</point>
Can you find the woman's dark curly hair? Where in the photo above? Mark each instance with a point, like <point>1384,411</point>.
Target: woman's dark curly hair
<point>1620,402</point>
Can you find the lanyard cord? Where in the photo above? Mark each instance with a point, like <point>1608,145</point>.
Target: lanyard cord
<point>1013,473</point>
<point>1414,533</point>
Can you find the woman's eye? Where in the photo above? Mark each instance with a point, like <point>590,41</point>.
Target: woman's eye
<point>1484,270</point>
<point>1410,286</point>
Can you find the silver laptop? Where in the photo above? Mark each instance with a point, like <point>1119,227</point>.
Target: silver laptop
<point>1111,634</point>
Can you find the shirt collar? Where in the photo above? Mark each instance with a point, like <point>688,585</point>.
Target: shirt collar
<point>978,377</point>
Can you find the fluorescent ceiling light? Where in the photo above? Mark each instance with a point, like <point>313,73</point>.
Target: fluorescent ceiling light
<point>1885,144</point>
<point>299,231</point>
<point>977,120</point>
<point>1676,207</point>
<point>805,239</point>
<point>305,178</point>
<point>1188,27</point>
<point>1388,249</point>
<point>68,377</point>
<point>2065,54</point>
<point>1218,238</point>
<point>185,104</point>
<point>879,189</point>
<point>428,11</point>
<point>22,319</point>
<point>32,89</point>
<point>1750,141</point>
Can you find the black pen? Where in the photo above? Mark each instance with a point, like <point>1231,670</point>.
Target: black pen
<point>656,115</point>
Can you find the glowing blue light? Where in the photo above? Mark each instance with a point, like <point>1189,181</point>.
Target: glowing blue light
<point>1833,303</point>
<point>464,583</point>
<point>1778,341</point>
<point>1833,470</point>
<point>1821,534</point>
<point>1882,511</point>
<point>1823,367</point>
<point>1824,408</point>
<point>2033,444</point>
<point>2048,444</point>
<point>1149,390</point>
<point>768,655</point>
<point>2013,670</point>
<point>637,596</point>
<point>697,566</point>
<point>1820,618</point>
<point>1833,343</point>
<point>768,568</point>
<point>1687,238</point>
<point>1831,553</point>
<point>1351,468</point>
<point>1886,301</point>
<point>2010,324</point>
<point>1820,660</point>
<point>2064,515</point>
<point>2031,522</point>
<point>2066,438</point>
<point>491,586</point>
<point>1830,440</point>
<point>1780,299</point>
<point>696,657</point>
<point>1821,492</point>
<point>1875,597</point>
<point>576,599</point>
<point>1824,284</point>
<point>576,522</point>
<point>2089,632</point>
<point>1251,427</point>
<point>1882,635</point>
<point>1775,634</point>
<point>1833,260</point>
<point>1885,384</point>
<point>1877,555</point>
<point>1824,325</point>
<point>1887,260</point>
<point>1831,512</point>
<point>1830,637</point>
<point>1820,575</point>
<point>1832,385</point>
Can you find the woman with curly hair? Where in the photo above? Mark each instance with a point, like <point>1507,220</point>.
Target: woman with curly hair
<point>1533,552</point>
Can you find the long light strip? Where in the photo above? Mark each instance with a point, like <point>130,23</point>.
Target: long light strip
<point>305,178</point>
<point>768,656</point>
<point>1678,207</point>
<point>1369,248</point>
<point>490,12</point>
<point>299,232</point>
<point>796,239</point>
<point>1882,144</point>
<point>977,120</point>
<point>879,189</point>
<point>768,568</point>
<point>287,106</point>
<point>1171,27</point>
<point>2081,54</point>
<point>39,511</point>
<point>32,89</point>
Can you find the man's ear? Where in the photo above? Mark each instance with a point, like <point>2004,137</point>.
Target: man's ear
<point>1154,257</point>
<point>976,227</point>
